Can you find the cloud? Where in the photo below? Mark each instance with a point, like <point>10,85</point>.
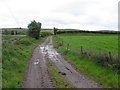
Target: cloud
<point>79,14</point>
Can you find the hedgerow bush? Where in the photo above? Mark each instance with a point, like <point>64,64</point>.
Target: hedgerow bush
<point>34,29</point>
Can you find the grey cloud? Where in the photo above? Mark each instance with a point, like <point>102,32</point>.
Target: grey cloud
<point>62,13</point>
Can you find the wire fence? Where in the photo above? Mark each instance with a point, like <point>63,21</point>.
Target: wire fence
<point>100,56</point>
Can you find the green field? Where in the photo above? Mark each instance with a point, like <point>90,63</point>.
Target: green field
<point>16,51</point>
<point>94,43</point>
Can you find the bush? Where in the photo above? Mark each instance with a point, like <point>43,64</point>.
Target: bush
<point>55,30</point>
<point>12,32</point>
<point>44,34</point>
<point>34,29</point>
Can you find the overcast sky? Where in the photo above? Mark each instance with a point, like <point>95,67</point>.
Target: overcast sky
<point>77,14</point>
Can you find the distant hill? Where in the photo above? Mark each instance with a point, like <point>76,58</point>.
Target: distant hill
<point>24,30</point>
<point>18,30</point>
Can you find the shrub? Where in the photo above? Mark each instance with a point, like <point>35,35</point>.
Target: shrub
<point>55,30</point>
<point>44,34</point>
<point>34,29</point>
<point>12,32</point>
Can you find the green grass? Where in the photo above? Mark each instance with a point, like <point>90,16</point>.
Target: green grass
<point>92,42</point>
<point>96,45</point>
<point>58,80</point>
<point>104,76</point>
<point>107,77</point>
<point>16,51</point>
<point>0,61</point>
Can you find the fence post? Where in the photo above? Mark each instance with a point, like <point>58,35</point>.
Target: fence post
<point>106,57</point>
<point>110,56</point>
<point>67,46</point>
<point>62,43</point>
<point>81,50</point>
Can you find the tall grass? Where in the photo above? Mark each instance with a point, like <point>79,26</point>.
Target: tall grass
<point>58,80</point>
<point>0,61</point>
<point>16,52</point>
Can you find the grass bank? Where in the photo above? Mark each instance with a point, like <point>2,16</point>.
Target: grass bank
<point>16,52</point>
<point>107,77</point>
<point>59,80</point>
<point>0,61</point>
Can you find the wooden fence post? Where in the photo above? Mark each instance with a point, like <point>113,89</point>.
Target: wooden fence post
<point>110,56</point>
<point>81,50</point>
<point>62,43</point>
<point>67,46</point>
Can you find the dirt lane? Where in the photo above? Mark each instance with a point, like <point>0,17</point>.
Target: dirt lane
<point>38,75</point>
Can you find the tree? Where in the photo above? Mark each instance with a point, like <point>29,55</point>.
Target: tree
<point>12,32</point>
<point>55,30</point>
<point>34,29</point>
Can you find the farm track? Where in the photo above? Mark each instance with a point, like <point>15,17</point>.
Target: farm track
<point>38,76</point>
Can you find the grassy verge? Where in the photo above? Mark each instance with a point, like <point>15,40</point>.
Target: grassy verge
<point>16,51</point>
<point>59,80</point>
<point>0,61</point>
<point>105,76</point>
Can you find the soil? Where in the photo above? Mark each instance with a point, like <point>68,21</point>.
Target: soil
<point>38,76</point>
